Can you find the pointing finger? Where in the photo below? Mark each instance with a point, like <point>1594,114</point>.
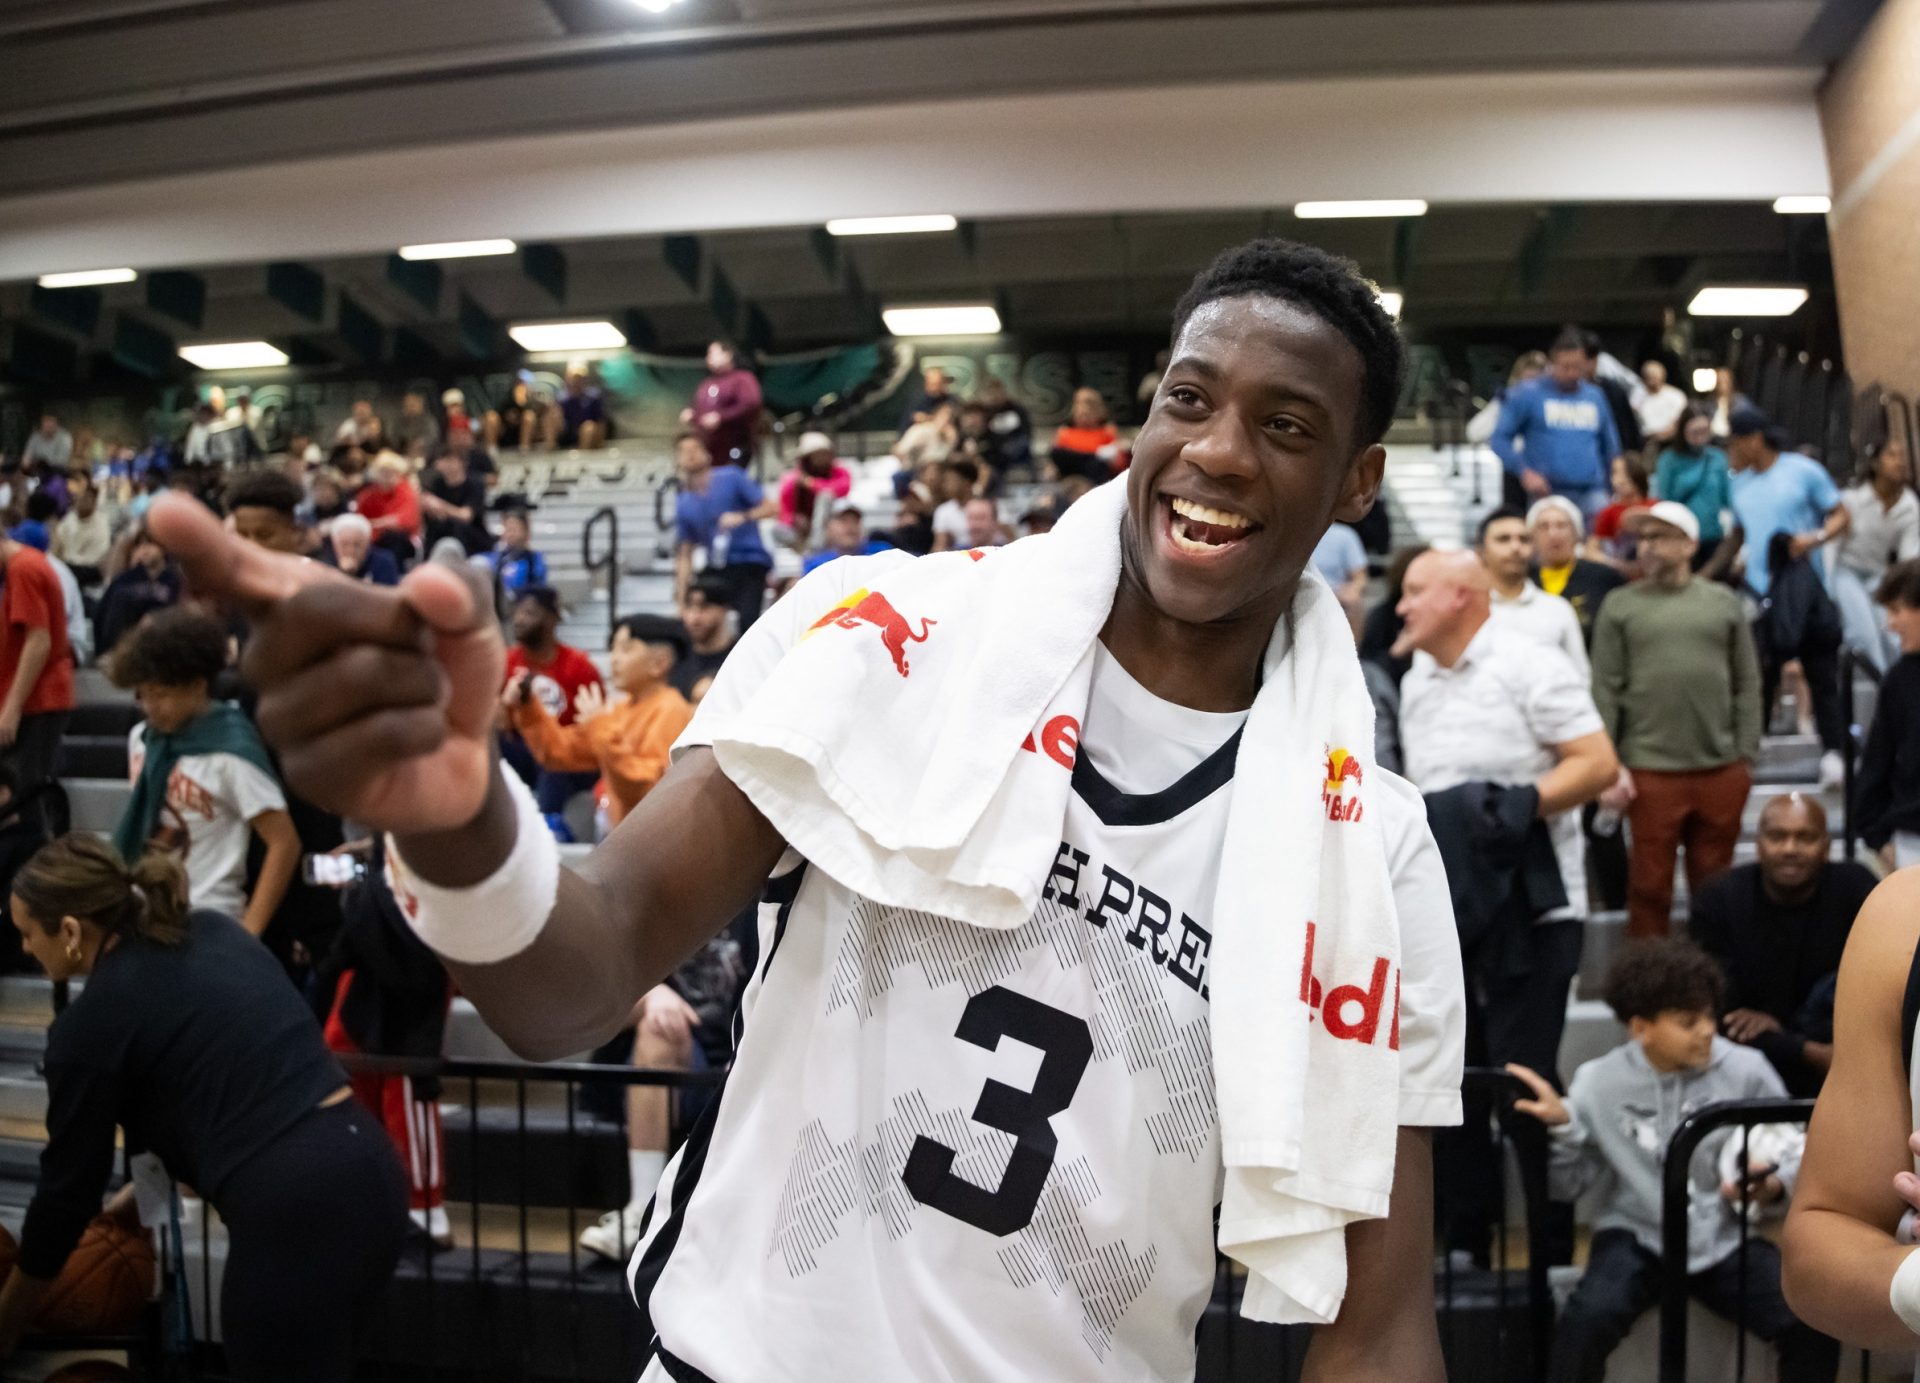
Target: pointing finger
<point>220,563</point>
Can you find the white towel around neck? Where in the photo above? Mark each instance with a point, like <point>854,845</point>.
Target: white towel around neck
<point>887,749</point>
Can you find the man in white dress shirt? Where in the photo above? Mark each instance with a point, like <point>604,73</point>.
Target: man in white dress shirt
<point>1506,551</point>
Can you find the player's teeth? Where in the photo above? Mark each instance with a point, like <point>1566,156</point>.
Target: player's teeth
<point>1200,513</point>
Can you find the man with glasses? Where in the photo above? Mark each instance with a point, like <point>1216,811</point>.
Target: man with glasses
<point>1678,686</point>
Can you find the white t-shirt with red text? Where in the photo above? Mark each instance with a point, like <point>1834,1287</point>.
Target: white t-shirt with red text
<point>211,801</point>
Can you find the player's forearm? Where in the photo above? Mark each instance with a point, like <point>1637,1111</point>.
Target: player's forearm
<point>1837,1273</point>
<point>621,922</point>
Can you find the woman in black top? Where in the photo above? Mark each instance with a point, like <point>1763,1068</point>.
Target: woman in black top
<point>189,1037</point>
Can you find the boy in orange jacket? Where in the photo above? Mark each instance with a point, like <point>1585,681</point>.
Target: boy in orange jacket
<point>626,739</point>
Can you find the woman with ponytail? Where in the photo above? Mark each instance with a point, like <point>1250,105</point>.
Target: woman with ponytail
<point>188,1036</point>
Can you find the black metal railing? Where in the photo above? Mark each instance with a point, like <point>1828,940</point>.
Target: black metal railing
<point>608,560</point>
<point>1675,1205</point>
<point>1851,666</point>
<point>516,1156</point>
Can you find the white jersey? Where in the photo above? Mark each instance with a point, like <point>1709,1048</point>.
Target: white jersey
<point>948,1152</point>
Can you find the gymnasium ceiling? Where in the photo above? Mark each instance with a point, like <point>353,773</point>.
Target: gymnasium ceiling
<point>103,90</point>
<point>93,92</point>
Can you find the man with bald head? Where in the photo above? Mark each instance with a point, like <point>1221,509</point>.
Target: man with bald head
<point>1777,927</point>
<point>1484,704</point>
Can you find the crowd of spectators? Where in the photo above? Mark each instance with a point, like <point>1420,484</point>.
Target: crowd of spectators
<point>1581,695</point>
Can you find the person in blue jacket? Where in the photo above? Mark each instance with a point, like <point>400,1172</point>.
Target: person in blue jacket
<point>1557,434</point>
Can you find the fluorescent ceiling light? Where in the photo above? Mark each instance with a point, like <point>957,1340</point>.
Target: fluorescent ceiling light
<point>1727,300</point>
<point>87,278</point>
<point>458,249</point>
<point>567,336</point>
<point>234,355</point>
<point>656,6</point>
<point>1392,302</point>
<point>948,319</point>
<point>1705,379</point>
<point>1803,206</point>
<point>890,225</point>
<point>1327,211</point>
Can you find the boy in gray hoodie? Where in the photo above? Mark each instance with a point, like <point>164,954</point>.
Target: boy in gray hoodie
<point>1612,1129</point>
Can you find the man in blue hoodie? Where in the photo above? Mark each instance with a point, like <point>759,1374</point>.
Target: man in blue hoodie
<point>1557,434</point>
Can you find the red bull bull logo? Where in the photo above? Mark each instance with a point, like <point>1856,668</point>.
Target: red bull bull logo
<point>1340,793</point>
<point>871,608</point>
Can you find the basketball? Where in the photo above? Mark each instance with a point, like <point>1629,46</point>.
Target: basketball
<point>107,1279</point>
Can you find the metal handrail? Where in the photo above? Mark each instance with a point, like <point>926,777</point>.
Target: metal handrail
<point>1676,1201</point>
<point>610,560</point>
<point>662,522</point>
<point>1850,664</point>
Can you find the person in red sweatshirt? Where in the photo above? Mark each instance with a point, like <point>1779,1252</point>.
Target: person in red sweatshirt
<point>555,674</point>
<point>725,407</point>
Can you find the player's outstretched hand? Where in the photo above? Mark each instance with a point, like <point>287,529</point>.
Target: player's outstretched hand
<point>379,700</point>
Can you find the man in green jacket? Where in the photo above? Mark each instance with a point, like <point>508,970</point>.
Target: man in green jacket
<point>1678,687</point>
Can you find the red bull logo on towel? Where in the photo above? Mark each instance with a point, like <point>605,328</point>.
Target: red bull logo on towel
<point>1340,793</point>
<point>1351,1013</point>
<point>865,607</point>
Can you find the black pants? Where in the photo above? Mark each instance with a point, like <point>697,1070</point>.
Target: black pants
<point>746,592</point>
<point>1509,1018</point>
<point>1821,664</point>
<point>315,1221</point>
<point>1622,1283</point>
<point>35,752</point>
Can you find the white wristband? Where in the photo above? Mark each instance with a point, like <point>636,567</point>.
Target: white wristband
<point>1905,1295</point>
<point>502,914</point>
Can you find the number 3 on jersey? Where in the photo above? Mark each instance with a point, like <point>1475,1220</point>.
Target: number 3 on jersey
<point>1066,1046</point>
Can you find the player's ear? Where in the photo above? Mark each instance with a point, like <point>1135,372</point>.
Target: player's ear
<point>1362,484</point>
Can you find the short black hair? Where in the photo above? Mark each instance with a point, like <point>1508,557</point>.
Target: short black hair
<point>1649,978</point>
<point>711,587</point>
<point>1332,289</point>
<point>1505,511</point>
<point>1573,338</point>
<point>41,506</point>
<point>265,488</point>
<point>172,648</point>
<point>968,471</point>
<point>545,597</point>
<point>1901,585</point>
<point>658,629</point>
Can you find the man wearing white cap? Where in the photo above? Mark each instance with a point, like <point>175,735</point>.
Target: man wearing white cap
<point>816,471</point>
<point>1678,687</point>
<point>1557,527</point>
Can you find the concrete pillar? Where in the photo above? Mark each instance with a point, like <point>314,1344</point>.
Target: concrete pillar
<point>1870,117</point>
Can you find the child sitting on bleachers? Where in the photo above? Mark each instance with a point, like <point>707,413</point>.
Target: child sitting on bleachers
<point>625,739</point>
<point>1612,1129</point>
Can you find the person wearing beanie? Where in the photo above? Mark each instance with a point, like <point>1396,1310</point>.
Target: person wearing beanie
<point>1558,568</point>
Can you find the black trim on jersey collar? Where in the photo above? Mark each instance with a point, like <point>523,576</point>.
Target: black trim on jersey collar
<point>1117,808</point>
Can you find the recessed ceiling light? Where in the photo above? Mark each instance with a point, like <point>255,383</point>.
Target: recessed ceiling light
<point>87,278</point>
<point>567,336</point>
<point>458,249</point>
<point>890,225</point>
<point>1705,379</point>
<point>1327,211</point>
<point>1729,300</point>
<point>1803,206</point>
<point>1392,302</point>
<point>947,319</point>
<point>233,355</point>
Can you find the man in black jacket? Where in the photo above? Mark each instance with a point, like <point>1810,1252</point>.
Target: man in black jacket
<point>1777,927</point>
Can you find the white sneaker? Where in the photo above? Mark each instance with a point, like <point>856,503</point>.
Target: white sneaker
<point>615,1233</point>
<point>435,1225</point>
<point>1832,771</point>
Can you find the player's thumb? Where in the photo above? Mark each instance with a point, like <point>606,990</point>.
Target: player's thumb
<point>456,603</point>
